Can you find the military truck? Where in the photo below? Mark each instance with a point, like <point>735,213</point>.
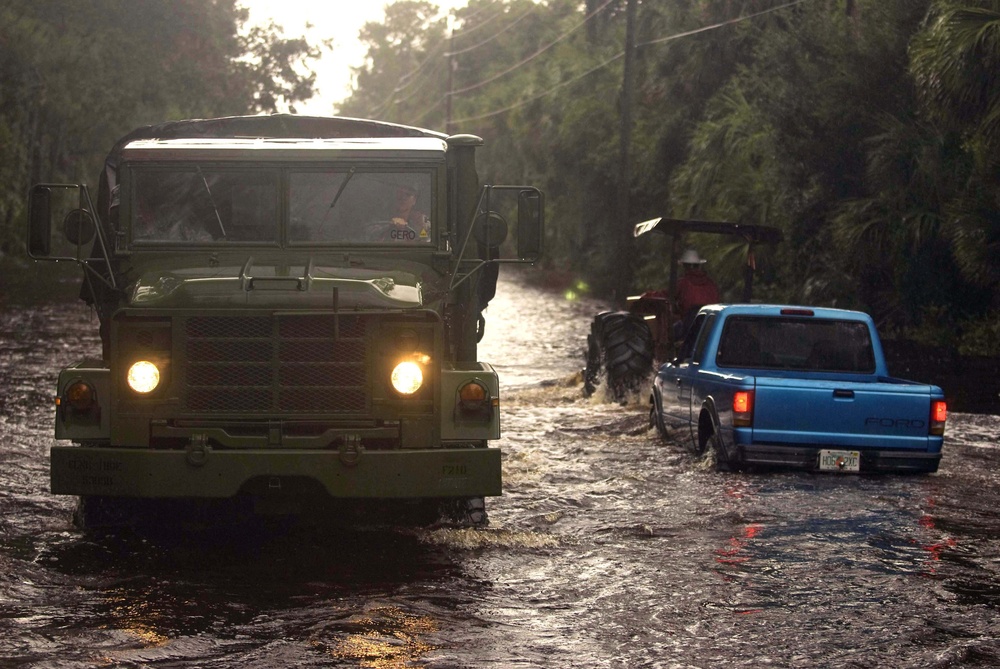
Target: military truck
<point>289,311</point>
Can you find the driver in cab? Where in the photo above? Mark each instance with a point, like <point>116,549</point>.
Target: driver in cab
<point>407,223</point>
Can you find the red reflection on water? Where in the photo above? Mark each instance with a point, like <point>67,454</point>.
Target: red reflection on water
<point>933,549</point>
<point>733,553</point>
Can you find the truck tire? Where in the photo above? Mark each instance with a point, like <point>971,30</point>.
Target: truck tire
<point>656,418</point>
<point>708,438</point>
<point>95,513</point>
<point>464,512</point>
<point>619,349</point>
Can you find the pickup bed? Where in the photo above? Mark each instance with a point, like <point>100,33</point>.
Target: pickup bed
<point>800,387</point>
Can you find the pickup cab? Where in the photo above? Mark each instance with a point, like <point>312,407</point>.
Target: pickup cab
<point>800,387</point>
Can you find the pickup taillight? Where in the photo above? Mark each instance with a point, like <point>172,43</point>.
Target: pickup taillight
<point>939,415</point>
<point>743,408</point>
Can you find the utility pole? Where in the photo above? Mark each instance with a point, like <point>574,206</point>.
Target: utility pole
<point>622,232</point>
<point>449,127</point>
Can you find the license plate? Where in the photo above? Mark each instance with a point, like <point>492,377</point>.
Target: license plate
<point>839,461</point>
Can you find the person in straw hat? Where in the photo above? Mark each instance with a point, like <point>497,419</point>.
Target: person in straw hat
<point>695,288</point>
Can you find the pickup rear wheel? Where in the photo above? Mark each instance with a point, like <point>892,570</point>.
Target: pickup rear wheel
<point>708,438</point>
<point>722,462</point>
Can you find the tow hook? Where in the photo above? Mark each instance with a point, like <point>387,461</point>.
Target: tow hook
<point>350,450</point>
<point>196,452</point>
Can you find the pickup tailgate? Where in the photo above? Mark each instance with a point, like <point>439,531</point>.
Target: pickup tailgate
<point>883,415</point>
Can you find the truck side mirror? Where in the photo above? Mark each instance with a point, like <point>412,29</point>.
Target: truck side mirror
<point>40,222</point>
<point>490,229</point>
<point>530,215</point>
<point>79,227</point>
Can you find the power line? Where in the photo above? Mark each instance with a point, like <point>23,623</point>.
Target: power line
<point>437,104</point>
<point>721,24</point>
<point>401,99</point>
<point>547,92</point>
<point>493,36</point>
<point>534,55</point>
<point>607,62</point>
<point>407,80</point>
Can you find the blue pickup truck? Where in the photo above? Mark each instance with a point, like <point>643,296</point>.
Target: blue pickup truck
<point>800,387</point>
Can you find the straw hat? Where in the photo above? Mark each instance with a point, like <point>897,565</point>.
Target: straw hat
<point>691,257</point>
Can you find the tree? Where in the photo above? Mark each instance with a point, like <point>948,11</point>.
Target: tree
<point>956,65</point>
<point>403,77</point>
<point>76,76</point>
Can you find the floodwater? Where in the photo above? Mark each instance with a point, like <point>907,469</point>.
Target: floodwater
<point>609,548</point>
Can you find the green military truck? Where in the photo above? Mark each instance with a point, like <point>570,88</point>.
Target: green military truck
<point>289,311</point>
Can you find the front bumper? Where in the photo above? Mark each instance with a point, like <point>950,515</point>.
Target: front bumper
<point>807,457</point>
<point>209,473</point>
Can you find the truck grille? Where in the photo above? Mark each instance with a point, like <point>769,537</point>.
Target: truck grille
<point>276,364</point>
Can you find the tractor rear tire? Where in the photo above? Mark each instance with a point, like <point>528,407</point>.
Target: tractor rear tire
<point>619,348</point>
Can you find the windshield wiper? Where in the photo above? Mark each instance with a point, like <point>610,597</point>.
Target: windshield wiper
<point>340,191</point>
<point>211,199</point>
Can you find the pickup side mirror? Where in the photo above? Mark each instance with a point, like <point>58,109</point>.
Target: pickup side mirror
<point>530,224</point>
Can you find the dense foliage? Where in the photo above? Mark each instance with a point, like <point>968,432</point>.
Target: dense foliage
<point>867,130</point>
<point>75,76</point>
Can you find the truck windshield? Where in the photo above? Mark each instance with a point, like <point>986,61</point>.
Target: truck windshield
<point>356,206</point>
<point>796,344</point>
<point>191,204</point>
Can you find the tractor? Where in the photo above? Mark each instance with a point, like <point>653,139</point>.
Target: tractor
<point>625,347</point>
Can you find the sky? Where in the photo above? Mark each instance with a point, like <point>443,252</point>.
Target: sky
<point>339,20</point>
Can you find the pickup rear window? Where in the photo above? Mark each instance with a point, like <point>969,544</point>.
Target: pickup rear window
<point>797,344</point>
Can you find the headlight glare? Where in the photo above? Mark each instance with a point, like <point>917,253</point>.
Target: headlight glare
<point>143,377</point>
<point>407,377</point>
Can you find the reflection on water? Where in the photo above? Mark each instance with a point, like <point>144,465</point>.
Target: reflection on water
<point>385,637</point>
<point>533,335</point>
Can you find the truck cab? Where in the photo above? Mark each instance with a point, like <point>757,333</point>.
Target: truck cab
<point>289,307</point>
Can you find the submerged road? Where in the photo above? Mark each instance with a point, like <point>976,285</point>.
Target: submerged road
<point>609,548</point>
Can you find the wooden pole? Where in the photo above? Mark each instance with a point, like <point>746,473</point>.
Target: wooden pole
<point>622,242</point>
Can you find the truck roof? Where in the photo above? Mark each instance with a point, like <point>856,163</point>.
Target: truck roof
<point>774,310</point>
<point>275,127</point>
<point>279,148</point>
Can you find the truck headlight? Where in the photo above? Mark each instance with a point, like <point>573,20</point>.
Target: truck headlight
<point>407,377</point>
<point>143,377</point>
